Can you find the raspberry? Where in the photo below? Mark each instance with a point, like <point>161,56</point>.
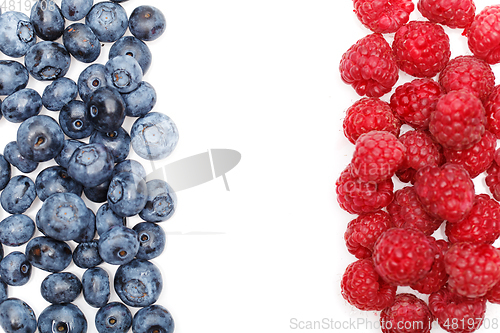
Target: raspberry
<point>455,14</point>
<point>475,159</point>
<point>408,314</point>
<point>493,294</point>
<point>492,177</point>
<point>458,121</point>
<point>383,16</point>
<point>413,102</point>
<point>446,192</point>
<point>457,314</point>
<point>369,114</point>
<point>481,225</point>
<point>369,66</point>
<point>363,231</point>
<point>422,49</point>
<point>359,197</point>
<point>468,73</point>
<point>473,269</point>
<point>437,277</point>
<point>363,288</point>
<point>483,35</point>
<point>492,108</point>
<point>402,256</point>
<point>406,211</point>
<point>377,156</point>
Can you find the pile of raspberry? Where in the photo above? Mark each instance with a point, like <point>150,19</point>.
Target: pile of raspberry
<point>433,135</point>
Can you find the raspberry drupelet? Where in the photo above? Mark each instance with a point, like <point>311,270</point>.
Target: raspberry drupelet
<point>437,276</point>
<point>383,16</point>
<point>408,314</point>
<point>454,14</point>
<point>483,35</point>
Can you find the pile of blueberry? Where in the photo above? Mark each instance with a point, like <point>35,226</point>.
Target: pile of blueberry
<point>98,167</point>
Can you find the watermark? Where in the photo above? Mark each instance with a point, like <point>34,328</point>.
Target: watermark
<point>25,5</point>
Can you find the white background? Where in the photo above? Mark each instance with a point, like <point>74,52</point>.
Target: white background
<point>260,77</point>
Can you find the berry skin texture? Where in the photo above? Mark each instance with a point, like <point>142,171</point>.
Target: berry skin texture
<point>492,176</point>
<point>492,108</point>
<point>369,66</point>
<point>369,114</point>
<point>457,314</point>
<point>422,49</point>
<point>363,232</point>
<point>459,120</point>
<point>445,192</point>
<point>437,276</point>
<point>363,288</point>
<point>406,311</point>
<point>358,197</point>
<point>454,14</point>
<point>483,35</point>
<point>377,156</point>
<point>383,16</point>
<point>473,268</point>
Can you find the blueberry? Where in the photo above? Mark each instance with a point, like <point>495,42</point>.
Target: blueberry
<point>3,291</point>
<point>40,138</point>
<point>140,101</point>
<point>16,230</point>
<point>108,20</point>
<point>151,240</point>
<point>138,283</point>
<point>75,10</point>
<point>13,76</point>
<point>106,219</point>
<point>15,269</point>
<point>48,254</point>
<point>97,193</point>
<point>88,232</point>
<point>64,318</point>
<point>47,20</point>
<point>130,166</point>
<point>55,179</point>
<point>123,73</point>
<point>17,34</point>
<point>91,78</point>
<point>114,317</point>
<point>154,136</point>
<point>154,318</point>
<point>1,252</point>
<point>96,290</point>
<point>14,157</point>
<point>17,317</point>
<point>63,216</point>
<point>59,93</point>
<point>127,194</point>
<point>81,42</point>
<point>91,165</point>
<point>75,120</point>
<point>118,245</point>
<point>107,109</point>
<point>161,202</point>
<point>59,288</point>
<point>18,195</point>
<point>5,172</point>
<point>21,105</point>
<point>47,61</point>
<point>147,23</point>
<point>69,148</point>
<point>86,255</point>
<point>117,142</point>
<point>134,47</point>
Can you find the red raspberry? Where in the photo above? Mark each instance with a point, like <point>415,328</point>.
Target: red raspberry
<point>458,121</point>
<point>406,211</point>
<point>468,73</point>
<point>473,269</point>
<point>422,49</point>
<point>363,288</point>
<point>446,192</point>
<point>369,66</point>
<point>492,108</point>
<point>377,156</point>
<point>383,16</point>
<point>369,114</point>
<point>481,225</point>
<point>408,314</point>
<point>493,294</point>
<point>457,314</point>
<point>359,197</point>
<point>413,102</point>
<point>402,256</point>
<point>455,14</point>
<point>437,277</point>
<point>476,159</point>
<point>483,35</point>
<point>492,176</point>
<point>363,231</point>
